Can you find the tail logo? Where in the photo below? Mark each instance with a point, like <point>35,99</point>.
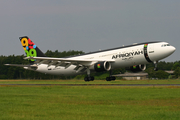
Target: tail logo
<point>29,47</point>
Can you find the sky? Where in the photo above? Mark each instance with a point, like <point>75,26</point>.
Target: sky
<point>88,25</point>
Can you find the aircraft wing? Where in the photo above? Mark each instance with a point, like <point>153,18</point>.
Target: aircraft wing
<point>66,62</point>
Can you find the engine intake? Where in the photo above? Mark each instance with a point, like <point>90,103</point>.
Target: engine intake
<point>102,66</point>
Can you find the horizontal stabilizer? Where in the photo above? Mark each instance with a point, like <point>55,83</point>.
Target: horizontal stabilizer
<point>19,65</point>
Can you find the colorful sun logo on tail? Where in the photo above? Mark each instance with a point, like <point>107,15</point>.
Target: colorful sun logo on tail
<point>29,47</point>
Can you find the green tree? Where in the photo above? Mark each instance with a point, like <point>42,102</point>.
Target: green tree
<point>177,72</point>
<point>151,72</point>
<point>176,65</point>
<point>160,74</point>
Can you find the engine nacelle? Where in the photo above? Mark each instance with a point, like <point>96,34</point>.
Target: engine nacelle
<point>138,68</point>
<point>102,66</point>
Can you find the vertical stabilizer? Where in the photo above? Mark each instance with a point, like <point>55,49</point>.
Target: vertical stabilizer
<point>31,49</point>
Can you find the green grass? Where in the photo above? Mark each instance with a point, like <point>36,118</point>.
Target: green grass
<point>168,81</point>
<point>88,103</point>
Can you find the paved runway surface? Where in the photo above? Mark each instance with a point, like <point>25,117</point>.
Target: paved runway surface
<point>90,84</point>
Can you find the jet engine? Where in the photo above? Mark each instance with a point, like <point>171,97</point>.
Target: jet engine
<point>102,66</point>
<point>138,68</point>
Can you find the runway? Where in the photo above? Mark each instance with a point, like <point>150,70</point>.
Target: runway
<point>90,85</point>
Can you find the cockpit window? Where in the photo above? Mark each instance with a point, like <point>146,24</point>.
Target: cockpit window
<point>164,45</point>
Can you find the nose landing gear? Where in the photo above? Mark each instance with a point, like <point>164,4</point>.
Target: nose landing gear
<point>155,66</point>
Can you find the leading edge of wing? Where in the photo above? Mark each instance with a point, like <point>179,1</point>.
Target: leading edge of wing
<point>69,59</point>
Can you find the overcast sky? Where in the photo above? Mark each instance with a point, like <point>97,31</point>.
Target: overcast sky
<point>88,25</point>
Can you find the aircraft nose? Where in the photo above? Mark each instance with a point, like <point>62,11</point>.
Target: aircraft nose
<point>162,52</point>
<point>173,49</point>
<point>167,51</point>
<point>170,50</point>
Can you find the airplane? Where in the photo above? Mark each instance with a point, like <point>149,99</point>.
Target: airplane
<point>134,56</point>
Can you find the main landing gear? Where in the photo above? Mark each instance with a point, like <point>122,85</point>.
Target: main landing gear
<point>110,78</point>
<point>88,78</point>
<point>91,78</point>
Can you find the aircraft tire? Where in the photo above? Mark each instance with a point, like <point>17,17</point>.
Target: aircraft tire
<point>113,78</point>
<point>87,79</point>
<point>110,78</point>
<point>91,78</point>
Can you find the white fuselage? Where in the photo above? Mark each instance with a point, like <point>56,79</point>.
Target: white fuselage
<point>123,56</point>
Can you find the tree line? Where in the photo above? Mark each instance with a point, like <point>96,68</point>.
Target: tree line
<point>8,72</point>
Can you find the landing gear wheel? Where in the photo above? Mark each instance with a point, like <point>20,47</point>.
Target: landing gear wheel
<point>91,78</point>
<point>87,79</point>
<point>110,78</point>
<point>113,78</point>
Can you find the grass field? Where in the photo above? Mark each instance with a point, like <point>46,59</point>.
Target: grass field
<point>89,102</point>
<point>168,81</point>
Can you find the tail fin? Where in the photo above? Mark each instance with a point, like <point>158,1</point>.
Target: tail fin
<point>30,48</point>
